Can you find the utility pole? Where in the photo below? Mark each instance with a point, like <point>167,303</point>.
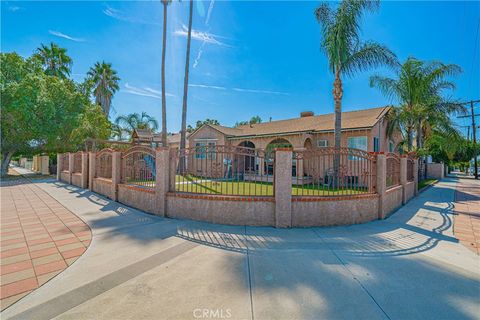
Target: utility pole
<point>474,134</point>
<point>474,128</point>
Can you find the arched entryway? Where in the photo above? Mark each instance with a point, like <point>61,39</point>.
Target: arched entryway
<point>249,165</point>
<point>270,149</point>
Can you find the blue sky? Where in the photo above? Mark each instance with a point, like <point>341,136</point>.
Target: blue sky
<point>248,58</point>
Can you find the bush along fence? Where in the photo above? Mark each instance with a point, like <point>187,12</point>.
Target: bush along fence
<point>246,186</point>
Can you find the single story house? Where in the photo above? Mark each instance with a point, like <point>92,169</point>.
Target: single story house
<point>362,129</point>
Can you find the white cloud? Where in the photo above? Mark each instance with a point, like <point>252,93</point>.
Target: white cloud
<point>119,15</point>
<point>238,89</point>
<point>259,91</point>
<point>207,86</point>
<point>14,8</point>
<point>146,92</point>
<point>65,36</point>
<point>201,36</point>
<point>209,12</point>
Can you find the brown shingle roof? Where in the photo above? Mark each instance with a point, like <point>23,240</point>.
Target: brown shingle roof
<point>350,120</point>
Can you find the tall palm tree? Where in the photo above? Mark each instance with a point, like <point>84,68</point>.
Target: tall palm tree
<point>164,46</point>
<point>133,121</point>
<point>345,52</point>
<point>55,60</point>
<point>418,91</point>
<point>183,131</point>
<point>105,83</point>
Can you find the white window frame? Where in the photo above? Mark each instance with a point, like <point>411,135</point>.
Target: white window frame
<point>325,141</point>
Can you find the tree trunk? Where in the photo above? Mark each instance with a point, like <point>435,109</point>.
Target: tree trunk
<point>337,97</point>
<point>6,157</point>
<point>164,102</point>
<point>183,132</point>
<point>409,139</point>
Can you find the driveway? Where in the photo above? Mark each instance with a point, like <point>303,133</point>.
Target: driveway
<point>139,266</point>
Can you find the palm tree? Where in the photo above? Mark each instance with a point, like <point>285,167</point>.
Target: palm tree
<point>55,60</point>
<point>105,83</point>
<point>118,132</point>
<point>164,101</point>
<point>183,131</point>
<point>418,89</point>
<point>133,121</point>
<point>346,54</point>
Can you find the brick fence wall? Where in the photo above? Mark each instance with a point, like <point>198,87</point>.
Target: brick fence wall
<point>280,210</point>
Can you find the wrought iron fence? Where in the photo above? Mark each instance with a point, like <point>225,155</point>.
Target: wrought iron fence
<point>65,161</point>
<point>410,169</point>
<point>77,162</point>
<point>393,170</point>
<point>333,172</point>
<point>223,170</point>
<point>103,164</point>
<point>139,167</point>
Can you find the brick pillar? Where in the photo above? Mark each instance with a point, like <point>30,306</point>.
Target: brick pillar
<point>415,175</point>
<point>116,173</point>
<point>162,178</point>
<point>173,169</point>
<point>70,166</point>
<point>283,187</point>
<point>381,183</point>
<point>44,163</point>
<point>403,177</point>
<point>59,165</point>
<point>84,170</point>
<point>91,169</point>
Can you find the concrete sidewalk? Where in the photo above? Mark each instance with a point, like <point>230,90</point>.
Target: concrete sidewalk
<point>140,266</point>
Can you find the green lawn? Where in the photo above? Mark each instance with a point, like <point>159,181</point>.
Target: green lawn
<point>426,182</point>
<point>205,186</point>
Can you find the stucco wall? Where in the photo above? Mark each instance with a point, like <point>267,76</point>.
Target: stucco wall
<point>435,171</point>
<point>392,200</point>
<point>409,190</point>
<point>103,187</point>
<point>64,176</point>
<point>137,197</point>
<point>203,208</point>
<point>77,179</point>
<point>334,212</point>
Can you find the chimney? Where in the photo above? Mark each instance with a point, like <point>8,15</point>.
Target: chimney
<point>306,114</point>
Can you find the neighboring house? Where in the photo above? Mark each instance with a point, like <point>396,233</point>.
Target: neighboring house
<point>362,129</point>
<point>147,137</point>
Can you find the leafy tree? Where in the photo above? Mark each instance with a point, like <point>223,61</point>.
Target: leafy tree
<point>93,124</point>
<point>347,55</point>
<point>54,60</point>
<point>39,111</point>
<point>200,123</point>
<point>164,47</point>
<point>104,81</point>
<point>133,121</point>
<point>422,108</point>
<point>253,120</point>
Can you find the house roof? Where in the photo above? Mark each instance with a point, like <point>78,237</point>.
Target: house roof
<point>365,118</point>
<point>142,133</point>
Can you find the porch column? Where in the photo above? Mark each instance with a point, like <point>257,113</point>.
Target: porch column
<point>91,169</point>
<point>84,181</point>
<point>71,157</point>
<point>116,173</point>
<point>403,177</point>
<point>162,178</point>
<point>381,183</point>
<point>44,165</point>
<point>283,187</point>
